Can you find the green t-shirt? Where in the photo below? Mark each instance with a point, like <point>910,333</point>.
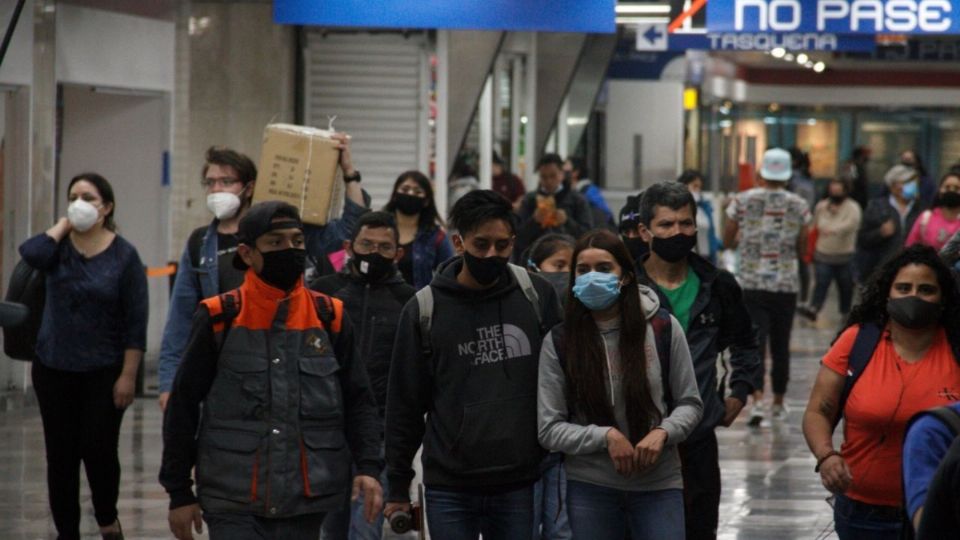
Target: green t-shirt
<point>681,299</point>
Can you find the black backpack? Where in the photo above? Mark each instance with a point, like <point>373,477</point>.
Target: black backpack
<point>28,287</point>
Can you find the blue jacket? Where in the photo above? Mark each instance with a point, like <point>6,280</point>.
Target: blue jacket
<point>430,248</point>
<point>707,209</point>
<point>194,284</point>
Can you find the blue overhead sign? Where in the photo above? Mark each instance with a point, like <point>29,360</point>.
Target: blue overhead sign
<point>590,16</point>
<point>767,41</point>
<point>835,16</point>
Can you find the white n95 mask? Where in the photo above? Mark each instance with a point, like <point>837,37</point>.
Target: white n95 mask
<point>223,205</point>
<point>82,215</point>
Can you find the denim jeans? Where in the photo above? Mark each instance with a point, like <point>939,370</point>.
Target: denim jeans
<point>348,522</point>
<point>228,526</point>
<point>549,506</point>
<point>843,274</point>
<point>772,313</point>
<point>855,520</point>
<point>458,515</point>
<point>602,512</point>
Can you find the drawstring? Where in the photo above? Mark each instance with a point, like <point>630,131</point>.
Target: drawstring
<point>606,355</point>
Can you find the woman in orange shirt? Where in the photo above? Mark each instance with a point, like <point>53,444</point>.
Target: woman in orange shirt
<point>914,304</point>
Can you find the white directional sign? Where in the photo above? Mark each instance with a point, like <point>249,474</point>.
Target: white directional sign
<point>651,37</point>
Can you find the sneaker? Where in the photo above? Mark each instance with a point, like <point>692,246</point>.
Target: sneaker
<point>807,313</point>
<point>757,413</point>
<point>780,412</point>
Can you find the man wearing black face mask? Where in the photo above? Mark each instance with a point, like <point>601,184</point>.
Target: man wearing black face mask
<point>283,394</point>
<point>373,294</point>
<point>472,370</point>
<point>708,303</point>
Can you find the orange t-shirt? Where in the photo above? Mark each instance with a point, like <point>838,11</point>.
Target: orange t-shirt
<point>886,395</point>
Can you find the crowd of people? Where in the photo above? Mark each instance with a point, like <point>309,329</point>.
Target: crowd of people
<point>558,370</point>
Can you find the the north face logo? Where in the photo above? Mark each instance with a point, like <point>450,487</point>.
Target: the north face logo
<point>315,343</point>
<point>495,344</point>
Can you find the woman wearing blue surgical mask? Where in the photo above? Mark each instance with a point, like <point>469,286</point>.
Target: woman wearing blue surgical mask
<point>616,395</point>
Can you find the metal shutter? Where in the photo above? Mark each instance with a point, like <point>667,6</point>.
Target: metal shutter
<point>376,85</point>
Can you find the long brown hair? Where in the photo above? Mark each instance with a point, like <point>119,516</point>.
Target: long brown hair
<point>586,364</point>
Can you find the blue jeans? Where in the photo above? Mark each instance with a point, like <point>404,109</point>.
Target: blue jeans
<point>602,512</point>
<point>457,515</point>
<point>843,274</point>
<point>549,508</point>
<point>348,522</point>
<point>228,526</point>
<point>855,520</point>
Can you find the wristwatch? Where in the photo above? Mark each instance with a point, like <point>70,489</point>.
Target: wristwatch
<point>355,177</point>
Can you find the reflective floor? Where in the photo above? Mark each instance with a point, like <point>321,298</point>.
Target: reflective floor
<point>769,488</point>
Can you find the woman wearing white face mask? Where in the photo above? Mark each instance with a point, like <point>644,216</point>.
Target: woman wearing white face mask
<point>616,394</point>
<point>89,347</point>
<point>206,267</point>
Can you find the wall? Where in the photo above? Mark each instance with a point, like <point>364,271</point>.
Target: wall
<point>103,48</point>
<point>653,110</point>
<point>17,65</point>
<point>234,73</point>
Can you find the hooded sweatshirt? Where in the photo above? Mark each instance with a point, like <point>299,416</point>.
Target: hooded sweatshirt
<point>477,387</point>
<point>585,445</point>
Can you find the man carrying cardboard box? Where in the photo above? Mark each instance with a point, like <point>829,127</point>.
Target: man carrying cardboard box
<point>205,267</point>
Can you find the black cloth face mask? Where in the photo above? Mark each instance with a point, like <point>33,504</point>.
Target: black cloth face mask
<point>283,268</point>
<point>914,312</point>
<point>409,205</point>
<point>950,199</point>
<point>372,267</point>
<point>673,248</point>
<point>837,199</point>
<point>485,270</point>
<point>559,280</point>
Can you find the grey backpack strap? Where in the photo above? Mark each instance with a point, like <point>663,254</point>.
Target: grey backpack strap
<point>526,284</point>
<point>425,305</point>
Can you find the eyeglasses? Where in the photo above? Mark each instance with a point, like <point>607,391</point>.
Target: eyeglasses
<point>225,182</point>
<point>366,246</point>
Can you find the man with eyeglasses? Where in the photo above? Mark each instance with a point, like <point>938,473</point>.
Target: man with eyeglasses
<point>206,267</point>
<point>373,294</point>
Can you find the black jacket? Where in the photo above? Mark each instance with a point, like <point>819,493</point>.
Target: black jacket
<point>478,388</point>
<point>873,249</point>
<point>375,312</point>
<point>718,322</point>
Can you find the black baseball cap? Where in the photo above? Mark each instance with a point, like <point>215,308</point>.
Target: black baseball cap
<point>259,220</point>
<point>630,213</point>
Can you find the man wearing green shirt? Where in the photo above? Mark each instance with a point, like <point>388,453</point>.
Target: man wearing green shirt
<point>708,303</point>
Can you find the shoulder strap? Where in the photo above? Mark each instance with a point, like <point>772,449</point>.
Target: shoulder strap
<point>330,313</point>
<point>663,334</point>
<point>526,284</point>
<point>949,416</point>
<point>223,309</point>
<point>924,220</point>
<point>194,244</point>
<point>438,238</point>
<point>860,354</point>
<point>559,344</point>
<point>425,305</point>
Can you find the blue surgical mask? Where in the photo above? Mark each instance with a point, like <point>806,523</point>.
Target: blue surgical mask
<point>910,190</point>
<point>597,290</point>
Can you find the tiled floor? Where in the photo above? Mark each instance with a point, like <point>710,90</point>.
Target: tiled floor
<point>770,490</point>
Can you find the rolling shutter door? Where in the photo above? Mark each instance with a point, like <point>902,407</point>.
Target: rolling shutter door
<point>376,85</point>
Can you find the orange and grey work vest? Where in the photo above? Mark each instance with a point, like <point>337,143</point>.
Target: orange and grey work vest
<point>271,439</point>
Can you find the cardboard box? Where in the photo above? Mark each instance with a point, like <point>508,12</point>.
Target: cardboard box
<point>298,165</point>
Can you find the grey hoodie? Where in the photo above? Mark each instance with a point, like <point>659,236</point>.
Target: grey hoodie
<point>585,446</point>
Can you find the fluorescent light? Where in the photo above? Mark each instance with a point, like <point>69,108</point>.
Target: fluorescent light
<point>643,9</point>
<point>788,57</point>
<point>576,121</point>
<point>641,19</point>
<point>523,119</point>
<point>802,58</point>
<point>819,67</point>
<point>778,52</point>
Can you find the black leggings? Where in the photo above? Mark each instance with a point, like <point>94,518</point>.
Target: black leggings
<point>80,423</point>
